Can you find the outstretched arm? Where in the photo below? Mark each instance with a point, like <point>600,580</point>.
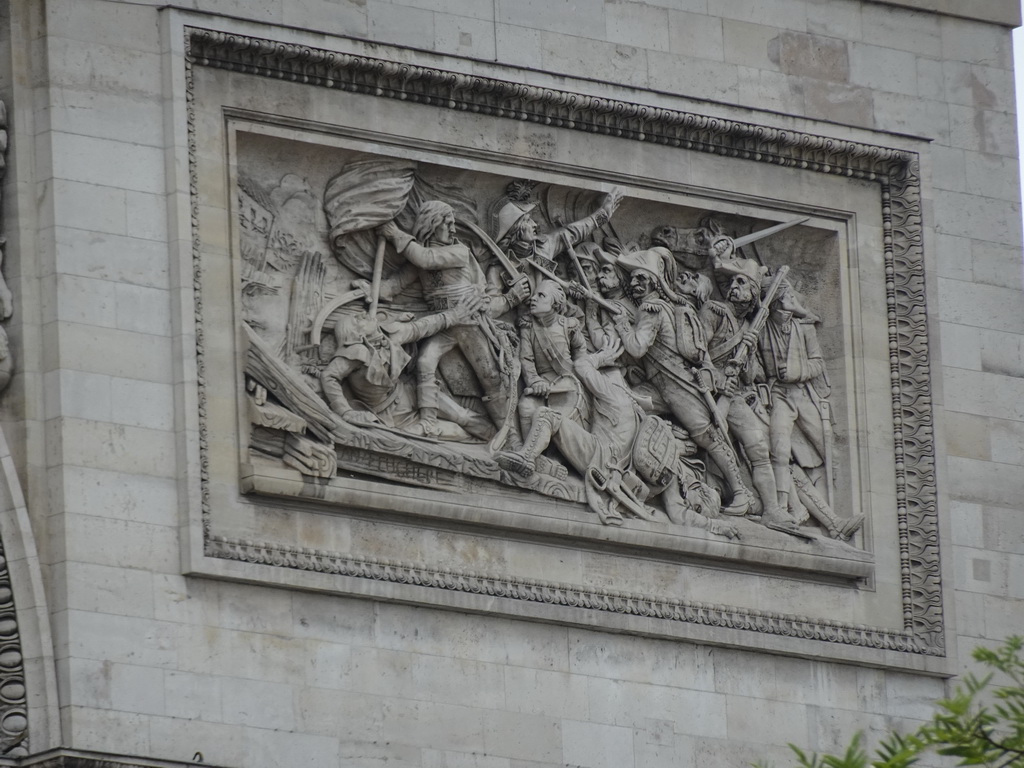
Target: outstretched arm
<point>393,285</point>
<point>580,230</point>
<point>442,257</point>
<point>462,313</point>
<point>334,375</point>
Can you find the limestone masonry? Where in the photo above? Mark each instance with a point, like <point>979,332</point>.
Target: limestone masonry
<point>502,383</point>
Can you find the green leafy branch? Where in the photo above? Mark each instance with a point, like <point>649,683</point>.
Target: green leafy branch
<point>982,724</point>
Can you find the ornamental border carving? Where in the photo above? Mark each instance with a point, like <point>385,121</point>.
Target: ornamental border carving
<point>14,733</point>
<point>14,730</point>
<point>897,173</point>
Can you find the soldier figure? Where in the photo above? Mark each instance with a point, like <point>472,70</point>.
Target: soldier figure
<point>448,273</point>
<point>724,328</point>
<point>600,322</point>
<point>668,339</point>
<point>604,453</point>
<point>519,236</point>
<point>796,372</point>
<point>549,343</point>
<point>370,362</point>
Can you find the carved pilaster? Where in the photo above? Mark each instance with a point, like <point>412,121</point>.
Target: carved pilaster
<point>13,707</point>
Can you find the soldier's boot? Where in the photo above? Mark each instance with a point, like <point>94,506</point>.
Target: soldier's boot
<point>428,421</point>
<point>496,403</point>
<point>837,527</point>
<point>477,425</point>
<point>783,482</point>
<point>548,466</point>
<point>786,524</point>
<point>764,483</point>
<point>712,441</point>
<point>784,521</point>
<point>524,461</point>
<point>427,395</point>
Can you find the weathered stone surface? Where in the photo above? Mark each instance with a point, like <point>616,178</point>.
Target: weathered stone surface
<point>362,634</point>
<point>811,56</point>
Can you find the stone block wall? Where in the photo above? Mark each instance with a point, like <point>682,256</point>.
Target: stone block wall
<point>152,663</point>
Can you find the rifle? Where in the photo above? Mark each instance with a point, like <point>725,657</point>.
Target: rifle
<point>756,324</point>
<point>566,284</point>
<point>576,260</point>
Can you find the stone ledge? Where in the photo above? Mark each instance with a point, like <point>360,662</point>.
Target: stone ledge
<point>76,758</point>
<point>824,559</point>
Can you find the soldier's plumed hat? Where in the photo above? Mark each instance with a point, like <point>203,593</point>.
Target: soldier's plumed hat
<point>509,214</point>
<point>658,261</point>
<point>648,260</point>
<point>607,257</point>
<point>749,268</point>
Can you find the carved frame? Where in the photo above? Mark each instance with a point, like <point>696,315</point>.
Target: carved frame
<point>895,171</point>
<point>14,725</point>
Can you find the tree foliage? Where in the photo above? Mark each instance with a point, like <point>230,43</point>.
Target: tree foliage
<point>982,724</point>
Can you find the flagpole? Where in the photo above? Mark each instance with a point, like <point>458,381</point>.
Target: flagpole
<point>378,269</point>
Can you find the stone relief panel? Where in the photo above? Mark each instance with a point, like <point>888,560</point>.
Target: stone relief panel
<point>655,365</point>
<point>514,350</point>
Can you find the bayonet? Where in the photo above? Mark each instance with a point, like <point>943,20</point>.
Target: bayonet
<point>567,285</point>
<point>576,260</point>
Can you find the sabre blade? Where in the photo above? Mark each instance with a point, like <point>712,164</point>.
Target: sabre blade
<point>753,237</point>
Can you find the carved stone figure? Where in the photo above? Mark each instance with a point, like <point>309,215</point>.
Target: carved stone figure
<point>449,273</point>
<point>519,234</point>
<point>605,452</point>
<point>739,402</point>
<point>799,387</point>
<point>668,338</point>
<point>549,343</point>
<point>588,257</point>
<point>364,382</point>
<point>605,277</point>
